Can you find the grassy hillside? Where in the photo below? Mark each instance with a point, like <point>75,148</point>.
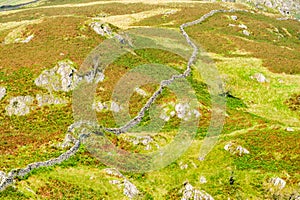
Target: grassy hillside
<point>257,114</point>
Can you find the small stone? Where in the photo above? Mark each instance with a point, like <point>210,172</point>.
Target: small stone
<point>114,182</point>
<point>203,180</point>
<point>289,129</point>
<point>140,91</point>
<point>234,17</point>
<point>243,26</point>
<point>245,32</point>
<point>259,77</point>
<point>231,25</point>
<point>278,182</point>
<point>114,107</point>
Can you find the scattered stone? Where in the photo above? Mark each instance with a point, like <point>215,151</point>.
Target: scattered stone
<point>170,12</point>
<point>203,180</point>
<point>27,39</point>
<point>98,106</point>
<point>289,129</point>
<point>278,182</point>
<point>114,107</point>
<point>130,190</point>
<point>243,26</point>
<point>245,32</point>
<point>19,105</point>
<point>183,166</point>
<point>190,193</point>
<point>259,77</point>
<point>140,91</point>
<point>234,17</point>
<point>235,149</point>
<point>48,100</point>
<point>2,92</point>
<point>184,112</point>
<point>115,182</point>
<point>231,25</point>
<point>113,172</point>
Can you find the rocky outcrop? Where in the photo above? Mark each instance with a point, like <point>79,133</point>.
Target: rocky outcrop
<point>20,105</point>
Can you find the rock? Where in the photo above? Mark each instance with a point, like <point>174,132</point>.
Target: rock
<point>19,105</point>
<point>278,182</point>
<point>62,77</point>
<point>130,190</point>
<point>113,172</point>
<point>115,182</point>
<point>114,107</point>
<point>101,29</point>
<point>245,32</point>
<point>203,180</point>
<point>28,39</point>
<point>189,192</point>
<point>68,141</point>
<point>243,26</point>
<point>235,149</point>
<point>140,91</point>
<point>259,77</point>
<point>98,106</point>
<point>289,129</point>
<point>183,166</point>
<point>48,100</point>
<point>2,92</point>
<point>234,17</point>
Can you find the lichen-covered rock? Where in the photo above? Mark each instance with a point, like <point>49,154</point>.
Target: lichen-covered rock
<point>62,77</point>
<point>19,105</point>
<point>101,28</point>
<point>2,92</point>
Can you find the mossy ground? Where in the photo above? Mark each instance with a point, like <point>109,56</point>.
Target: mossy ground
<point>258,113</point>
